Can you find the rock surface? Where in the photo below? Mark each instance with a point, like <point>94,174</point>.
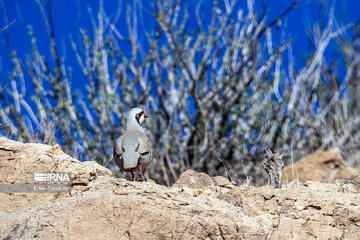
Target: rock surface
<point>196,207</point>
<point>322,166</point>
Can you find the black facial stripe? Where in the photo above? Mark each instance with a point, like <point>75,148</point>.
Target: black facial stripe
<point>137,119</point>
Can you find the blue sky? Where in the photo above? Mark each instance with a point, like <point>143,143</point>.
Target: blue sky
<point>70,15</point>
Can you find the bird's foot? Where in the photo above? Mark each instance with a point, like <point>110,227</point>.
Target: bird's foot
<point>141,179</point>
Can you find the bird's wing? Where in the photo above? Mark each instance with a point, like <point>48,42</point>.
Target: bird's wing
<point>130,144</point>
<point>144,147</point>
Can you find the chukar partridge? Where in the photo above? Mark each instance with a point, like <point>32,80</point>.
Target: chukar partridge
<point>133,149</point>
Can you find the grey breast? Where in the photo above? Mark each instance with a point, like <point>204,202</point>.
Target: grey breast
<point>131,149</point>
<point>130,144</point>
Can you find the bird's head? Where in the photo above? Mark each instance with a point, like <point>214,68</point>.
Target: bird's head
<point>136,115</point>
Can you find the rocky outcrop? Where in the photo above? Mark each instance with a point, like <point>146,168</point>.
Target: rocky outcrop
<point>322,166</point>
<point>19,161</point>
<point>196,180</point>
<point>196,207</point>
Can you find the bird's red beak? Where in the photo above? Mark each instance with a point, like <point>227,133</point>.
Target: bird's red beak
<point>146,116</point>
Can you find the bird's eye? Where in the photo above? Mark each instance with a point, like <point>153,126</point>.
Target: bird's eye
<point>141,113</point>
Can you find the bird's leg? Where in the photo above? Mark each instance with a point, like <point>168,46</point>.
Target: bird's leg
<point>141,173</point>
<point>132,175</point>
